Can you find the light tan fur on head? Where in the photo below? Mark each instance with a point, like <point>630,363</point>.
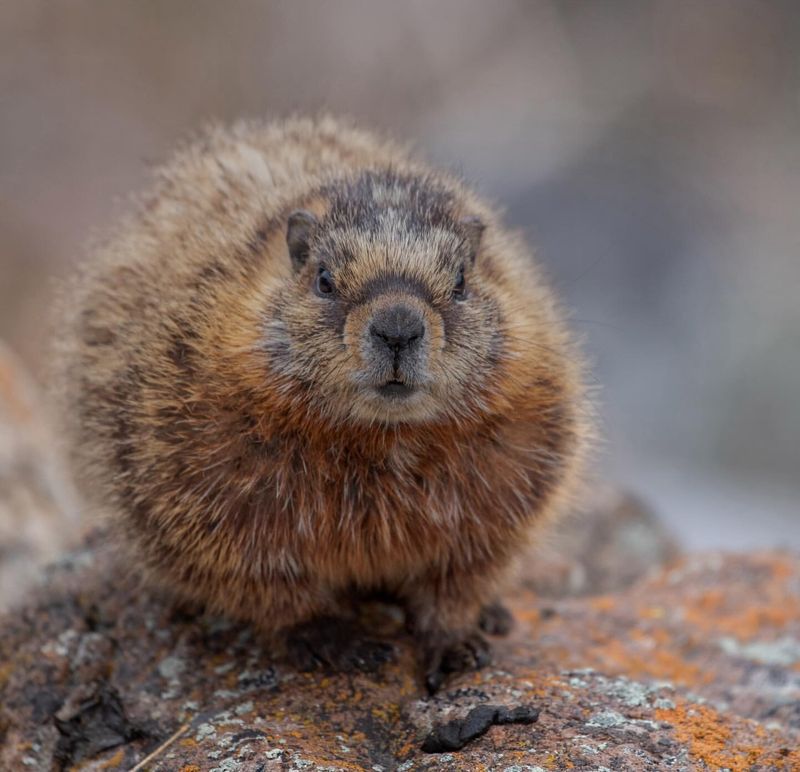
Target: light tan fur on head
<point>245,422</point>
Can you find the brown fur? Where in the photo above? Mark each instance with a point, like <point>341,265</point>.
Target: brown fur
<point>216,405</point>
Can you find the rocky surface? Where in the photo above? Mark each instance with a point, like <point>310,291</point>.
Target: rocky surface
<point>696,666</point>
<point>606,546</point>
<point>38,510</point>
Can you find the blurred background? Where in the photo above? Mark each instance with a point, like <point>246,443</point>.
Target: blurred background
<point>651,151</point>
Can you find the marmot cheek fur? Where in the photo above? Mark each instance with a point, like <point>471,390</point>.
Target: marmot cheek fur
<point>310,366</point>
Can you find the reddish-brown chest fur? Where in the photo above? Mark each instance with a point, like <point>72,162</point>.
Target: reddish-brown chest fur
<point>372,507</point>
<point>382,508</point>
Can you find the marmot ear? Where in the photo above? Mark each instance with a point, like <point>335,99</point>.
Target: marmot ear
<point>473,228</point>
<point>300,226</point>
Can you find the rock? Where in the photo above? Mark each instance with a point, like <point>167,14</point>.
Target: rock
<point>38,510</point>
<point>455,734</point>
<point>696,666</point>
<point>606,547</point>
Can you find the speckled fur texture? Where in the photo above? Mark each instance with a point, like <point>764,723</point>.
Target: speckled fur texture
<point>227,415</point>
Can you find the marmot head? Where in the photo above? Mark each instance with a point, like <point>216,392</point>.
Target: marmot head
<point>385,318</point>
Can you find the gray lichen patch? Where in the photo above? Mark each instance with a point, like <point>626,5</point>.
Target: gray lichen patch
<point>607,719</point>
<point>171,667</point>
<point>784,651</point>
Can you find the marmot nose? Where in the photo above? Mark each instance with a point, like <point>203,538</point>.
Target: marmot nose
<point>397,327</point>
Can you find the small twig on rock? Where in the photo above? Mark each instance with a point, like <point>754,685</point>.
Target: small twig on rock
<point>161,748</point>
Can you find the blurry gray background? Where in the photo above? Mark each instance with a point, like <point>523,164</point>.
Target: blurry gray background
<point>651,150</point>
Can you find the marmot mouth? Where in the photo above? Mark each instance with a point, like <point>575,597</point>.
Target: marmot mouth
<point>395,390</point>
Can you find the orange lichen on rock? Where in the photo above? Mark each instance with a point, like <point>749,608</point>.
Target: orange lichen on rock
<point>715,613</point>
<point>114,761</point>
<point>721,743</point>
<point>719,610</point>
<point>603,603</point>
<point>650,654</point>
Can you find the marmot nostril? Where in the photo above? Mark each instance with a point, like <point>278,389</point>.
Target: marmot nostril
<point>397,327</point>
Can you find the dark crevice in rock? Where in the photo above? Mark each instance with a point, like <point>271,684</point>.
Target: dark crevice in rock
<point>92,720</point>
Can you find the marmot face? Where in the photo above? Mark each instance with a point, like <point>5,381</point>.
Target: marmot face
<point>387,318</point>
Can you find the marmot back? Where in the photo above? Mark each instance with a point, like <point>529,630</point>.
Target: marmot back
<point>309,366</point>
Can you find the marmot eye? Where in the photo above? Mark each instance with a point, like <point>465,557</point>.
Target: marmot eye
<point>324,284</point>
<point>460,287</point>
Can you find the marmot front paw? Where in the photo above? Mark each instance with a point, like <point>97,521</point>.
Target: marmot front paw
<point>496,619</point>
<point>441,660</point>
<point>330,643</point>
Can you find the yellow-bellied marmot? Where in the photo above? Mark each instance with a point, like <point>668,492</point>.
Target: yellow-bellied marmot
<point>310,366</point>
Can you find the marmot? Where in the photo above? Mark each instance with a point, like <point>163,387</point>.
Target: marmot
<point>310,366</point>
